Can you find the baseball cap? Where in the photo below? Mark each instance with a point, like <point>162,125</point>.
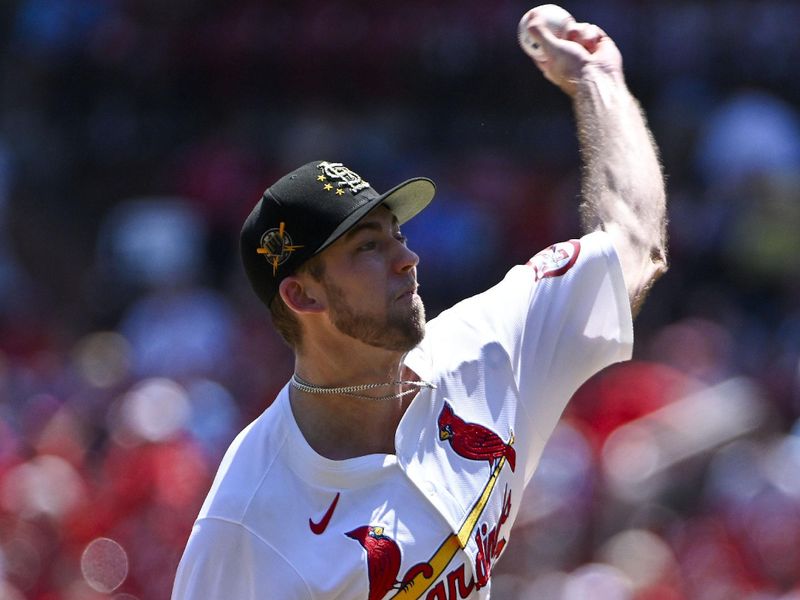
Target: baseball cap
<point>307,210</point>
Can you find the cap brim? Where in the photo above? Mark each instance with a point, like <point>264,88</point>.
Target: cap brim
<point>409,198</point>
<point>405,200</point>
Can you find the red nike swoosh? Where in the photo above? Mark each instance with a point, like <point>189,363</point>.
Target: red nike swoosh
<point>318,528</point>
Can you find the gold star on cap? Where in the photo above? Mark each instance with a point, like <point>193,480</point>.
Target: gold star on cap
<point>327,187</point>
<point>340,192</point>
<point>320,177</point>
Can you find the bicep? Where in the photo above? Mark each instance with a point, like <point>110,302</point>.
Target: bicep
<point>225,561</point>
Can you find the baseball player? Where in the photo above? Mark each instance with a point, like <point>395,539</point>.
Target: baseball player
<point>393,462</point>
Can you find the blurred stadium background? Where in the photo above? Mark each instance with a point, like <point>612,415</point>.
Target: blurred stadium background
<point>135,135</point>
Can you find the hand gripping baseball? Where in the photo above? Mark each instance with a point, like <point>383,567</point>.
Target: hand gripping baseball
<point>567,51</point>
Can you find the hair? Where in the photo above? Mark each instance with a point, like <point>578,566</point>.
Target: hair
<point>284,320</point>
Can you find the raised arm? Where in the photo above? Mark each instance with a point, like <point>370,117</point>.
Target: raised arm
<point>622,184</point>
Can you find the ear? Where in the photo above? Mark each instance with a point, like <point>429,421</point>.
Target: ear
<point>299,297</point>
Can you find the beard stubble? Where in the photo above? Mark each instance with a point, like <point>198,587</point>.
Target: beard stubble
<point>401,329</point>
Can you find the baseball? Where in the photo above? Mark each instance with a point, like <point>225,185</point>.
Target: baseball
<point>555,19</point>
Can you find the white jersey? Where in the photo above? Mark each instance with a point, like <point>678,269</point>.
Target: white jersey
<point>283,522</point>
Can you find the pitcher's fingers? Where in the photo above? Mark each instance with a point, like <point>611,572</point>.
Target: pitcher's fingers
<point>587,35</point>
<point>543,35</point>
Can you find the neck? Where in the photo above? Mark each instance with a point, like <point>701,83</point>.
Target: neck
<point>352,363</point>
<point>340,426</point>
<point>357,391</point>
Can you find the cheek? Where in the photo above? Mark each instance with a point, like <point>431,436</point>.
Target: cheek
<point>359,292</point>
<point>368,280</point>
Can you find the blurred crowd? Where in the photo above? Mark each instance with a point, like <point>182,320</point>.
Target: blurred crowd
<point>135,136</point>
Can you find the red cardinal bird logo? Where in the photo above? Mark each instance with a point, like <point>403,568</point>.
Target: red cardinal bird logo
<point>473,441</point>
<point>383,561</point>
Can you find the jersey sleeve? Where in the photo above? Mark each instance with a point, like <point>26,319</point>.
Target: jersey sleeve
<point>577,322</point>
<point>553,322</point>
<point>225,561</point>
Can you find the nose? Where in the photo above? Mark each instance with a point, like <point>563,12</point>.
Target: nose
<point>406,259</point>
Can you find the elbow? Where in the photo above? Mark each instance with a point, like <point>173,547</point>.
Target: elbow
<point>656,266</point>
<point>658,261</point>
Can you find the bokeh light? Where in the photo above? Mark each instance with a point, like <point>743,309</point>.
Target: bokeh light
<point>597,580</point>
<point>104,564</point>
<point>44,485</point>
<point>155,409</point>
<point>641,555</point>
<point>103,358</point>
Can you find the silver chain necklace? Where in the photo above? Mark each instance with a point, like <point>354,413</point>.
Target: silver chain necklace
<point>352,390</point>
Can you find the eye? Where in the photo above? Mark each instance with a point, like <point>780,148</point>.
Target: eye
<point>367,246</point>
<point>400,237</point>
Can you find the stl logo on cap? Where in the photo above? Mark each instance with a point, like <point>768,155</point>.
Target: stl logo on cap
<point>343,177</point>
<point>276,246</point>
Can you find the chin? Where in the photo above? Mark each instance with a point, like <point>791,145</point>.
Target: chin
<point>406,334</point>
<point>399,329</point>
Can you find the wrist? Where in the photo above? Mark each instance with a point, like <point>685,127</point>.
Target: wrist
<point>603,83</point>
<point>595,74</point>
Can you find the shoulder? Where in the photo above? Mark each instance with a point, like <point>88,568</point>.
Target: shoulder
<point>558,259</point>
<point>224,559</point>
<point>564,282</point>
<point>560,266</point>
<point>250,459</point>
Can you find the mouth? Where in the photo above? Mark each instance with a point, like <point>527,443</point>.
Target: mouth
<point>409,292</point>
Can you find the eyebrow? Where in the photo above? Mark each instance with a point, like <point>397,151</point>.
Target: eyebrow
<point>369,226</point>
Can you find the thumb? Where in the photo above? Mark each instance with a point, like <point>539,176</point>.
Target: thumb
<point>545,42</point>
<point>559,60</point>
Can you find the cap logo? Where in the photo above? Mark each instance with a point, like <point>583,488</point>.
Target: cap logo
<point>342,176</point>
<point>276,246</point>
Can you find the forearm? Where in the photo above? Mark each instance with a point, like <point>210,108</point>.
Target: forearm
<point>622,184</point>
